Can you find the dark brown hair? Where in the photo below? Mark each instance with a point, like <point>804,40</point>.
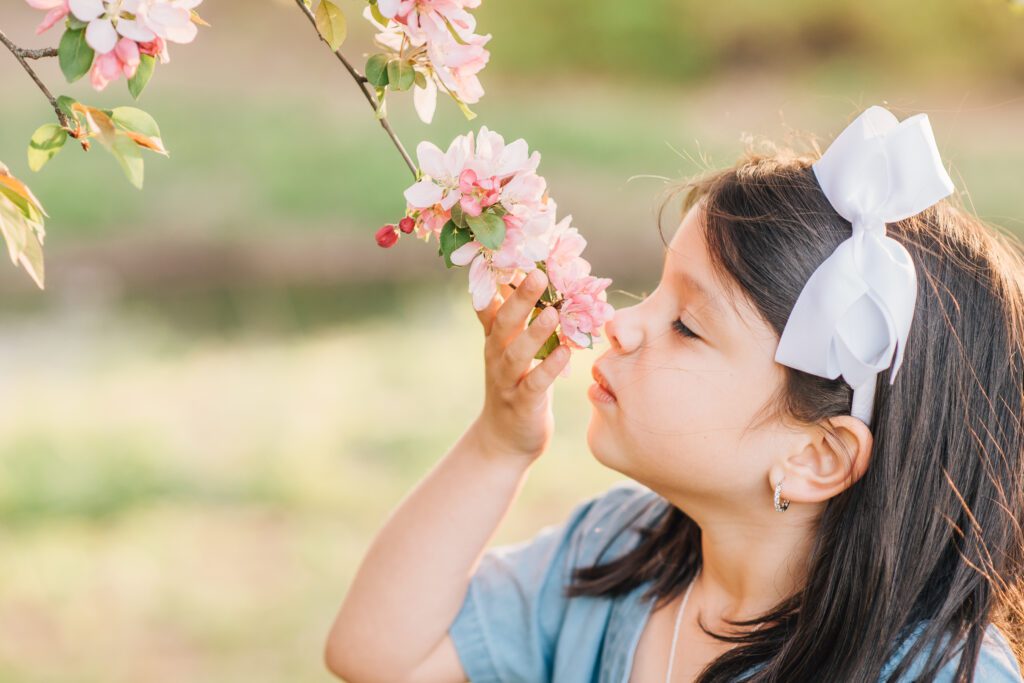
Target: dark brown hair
<point>932,532</point>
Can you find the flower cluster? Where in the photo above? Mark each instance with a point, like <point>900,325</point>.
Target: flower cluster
<point>489,209</point>
<point>121,32</point>
<point>437,39</point>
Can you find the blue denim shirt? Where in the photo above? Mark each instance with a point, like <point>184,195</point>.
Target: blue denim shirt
<point>515,625</point>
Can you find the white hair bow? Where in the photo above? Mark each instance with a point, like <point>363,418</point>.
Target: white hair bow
<point>855,311</point>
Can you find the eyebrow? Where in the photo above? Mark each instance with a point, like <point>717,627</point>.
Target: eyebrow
<point>714,311</point>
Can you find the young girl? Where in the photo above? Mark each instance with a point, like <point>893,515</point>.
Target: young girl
<point>791,518</point>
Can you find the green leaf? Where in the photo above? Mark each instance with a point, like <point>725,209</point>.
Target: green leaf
<point>74,54</point>
<point>330,21</point>
<point>381,110</point>
<point>375,11</point>
<point>44,145</point>
<point>452,238</point>
<point>64,103</point>
<point>129,156</point>
<point>74,23</point>
<point>377,70</point>
<point>421,80</point>
<point>550,344</point>
<point>401,75</point>
<point>22,230</point>
<point>147,63</point>
<point>466,111</point>
<point>458,217</point>
<point>488,229</point>
<point>135,120</point>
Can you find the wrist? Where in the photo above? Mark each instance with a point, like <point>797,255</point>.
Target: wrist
<point>491,446</point>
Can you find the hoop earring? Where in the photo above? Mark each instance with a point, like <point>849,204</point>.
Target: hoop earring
<point>784,505</point>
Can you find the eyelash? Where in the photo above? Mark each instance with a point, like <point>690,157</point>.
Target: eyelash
<point>683,330</point>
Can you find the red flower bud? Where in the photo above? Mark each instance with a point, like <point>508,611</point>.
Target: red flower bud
<point>386,236</point>
<point>406,225</point>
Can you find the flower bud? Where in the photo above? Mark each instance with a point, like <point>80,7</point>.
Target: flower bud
<point>386,236</point>
<point>406,225</point>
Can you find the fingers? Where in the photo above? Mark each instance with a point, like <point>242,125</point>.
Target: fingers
<point>520,352</point>
<point>540,378</point>
<point>512,314</point>
<point>486,316</point>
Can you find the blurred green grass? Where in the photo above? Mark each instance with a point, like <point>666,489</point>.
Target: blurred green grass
<point>208,505</point>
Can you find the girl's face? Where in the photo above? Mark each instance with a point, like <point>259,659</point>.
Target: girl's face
<point>682,422</point>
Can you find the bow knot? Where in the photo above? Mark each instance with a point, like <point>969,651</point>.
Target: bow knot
<point>854,313</point>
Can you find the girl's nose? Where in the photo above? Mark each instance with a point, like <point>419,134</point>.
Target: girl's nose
<point>623,330</point>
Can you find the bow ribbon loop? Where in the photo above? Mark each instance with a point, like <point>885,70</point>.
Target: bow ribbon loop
<point>853,316</point>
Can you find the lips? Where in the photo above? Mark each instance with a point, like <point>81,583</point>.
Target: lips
<point>601,379</point>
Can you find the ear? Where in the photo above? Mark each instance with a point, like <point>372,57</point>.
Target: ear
<point>826,465</point>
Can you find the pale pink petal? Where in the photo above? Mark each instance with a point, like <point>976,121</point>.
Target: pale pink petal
<point>451,199</point>
<point>134,30</point>
<point>425,100</point>
<point>431,160</point>
<point>101,36</point>
<point>388,8</point>
<point>86,10</point>
<point>482,284</point>
<point>466,253</point>
<point>423,194</point>
<point>51,18</point>
<point>46,4</point>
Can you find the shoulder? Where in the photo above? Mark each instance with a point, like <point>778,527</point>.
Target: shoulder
<point>609,522</point>
<point>996,661</point>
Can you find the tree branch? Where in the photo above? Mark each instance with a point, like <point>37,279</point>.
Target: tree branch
<point>368,92</point>
<point>21,54</point>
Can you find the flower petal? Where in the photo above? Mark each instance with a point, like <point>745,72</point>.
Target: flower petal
<point>466,253</point>
<point>425,100</point>
<point>86,10</point>
<point>423,194</point>
<point>129,28</point>
<point>101,36</point>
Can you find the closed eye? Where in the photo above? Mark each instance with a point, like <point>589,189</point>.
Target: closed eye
<point>683,330</point>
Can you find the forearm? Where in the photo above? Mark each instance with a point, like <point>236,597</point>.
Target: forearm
<point>414,577</point>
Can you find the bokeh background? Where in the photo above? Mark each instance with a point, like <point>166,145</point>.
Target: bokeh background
<point>227,386</point>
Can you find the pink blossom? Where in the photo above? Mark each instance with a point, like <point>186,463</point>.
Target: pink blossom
<point>122,60</point>
<point>564,259</point>
<point>476,172</point>
<point>156,48</point>
<point>584,309</point>
<point>476,194</point>
<point>455,63</point>
<point>55,11</point>
<point>140,20</point>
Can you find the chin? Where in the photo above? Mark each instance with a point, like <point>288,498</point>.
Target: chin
<point>600,443</point>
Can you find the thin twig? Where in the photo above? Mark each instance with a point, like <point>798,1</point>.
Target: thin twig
<point>38,54</point>
<point>368,92</point>
<point>21,54</point>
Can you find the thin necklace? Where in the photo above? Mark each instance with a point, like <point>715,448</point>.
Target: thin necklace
<point>675,633</point>
<point>679,619</point>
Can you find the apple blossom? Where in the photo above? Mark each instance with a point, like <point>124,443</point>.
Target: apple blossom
<point>438,37</point>
<point>56,10</point>
<point>140,20</point>
<point>123,59</point>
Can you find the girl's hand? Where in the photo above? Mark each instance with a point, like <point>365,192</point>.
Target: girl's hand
<point>517,419</point>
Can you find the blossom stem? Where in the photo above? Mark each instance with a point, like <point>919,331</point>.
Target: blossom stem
<point>21,54</point>
<point>368,92</point>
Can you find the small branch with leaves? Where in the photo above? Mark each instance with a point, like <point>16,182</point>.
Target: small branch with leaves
<point>106,42</point>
